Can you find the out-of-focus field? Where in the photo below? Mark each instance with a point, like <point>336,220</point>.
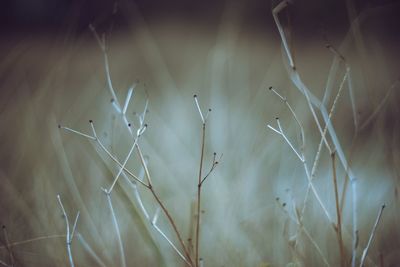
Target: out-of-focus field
<point>51,79</point>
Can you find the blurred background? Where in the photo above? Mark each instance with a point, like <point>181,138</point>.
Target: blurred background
<point>228,53</point>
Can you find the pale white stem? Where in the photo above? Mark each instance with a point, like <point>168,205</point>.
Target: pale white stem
<point>136,192</point>
<point>117,106</point>
<point>120,164</point>
<point>123,165</point>
<point>352,99</point>
<point>144,164</point>
<point>117,231</point>
<point>371,236</point>
<point>317,156</point>
<point>297,81</point>
<point>171,244</point>
<point>273,129</point>
<point>68,235</point>
<point>89,250</point>
<point>74,226</point>
<point>311,99</point>
<point>294,116</point>
<point>275,13</point>
<point>311,185</point>
<point>198,108</point>
<point>96,36</point>
<point>128,99</point>
<point>288,142</point>
<point>302,159</point>
<point>77,132</point>
<point>102,44</point>
<point>155,218</point>
<point>113,157</point>
<point>140,202</point>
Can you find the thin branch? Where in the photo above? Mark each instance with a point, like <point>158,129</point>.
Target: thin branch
<point>76,132</point>
<point>98,141</point>
<point>128,99</point>
<point>116,227</point>
<point>213,166</point>
<point>199,193</point>
<point>172,223</point>
<point>280,131</point>
<point>318,154</point>
<point>198,108</point>
<point>372,235</point>
<point>312,100</point>
<point>338,227</point>
<point>23,242</point>
<point>275,13</point>
<point>123,165</point>
<point>69,234</point>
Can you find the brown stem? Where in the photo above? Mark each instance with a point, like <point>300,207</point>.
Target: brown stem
<point>199,195</point>
<point>171,221</point>
<point>338,227</point>
<point>164,209</point>
<point>346,178</point>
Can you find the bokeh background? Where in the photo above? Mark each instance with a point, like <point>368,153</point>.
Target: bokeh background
<point>228,53</point>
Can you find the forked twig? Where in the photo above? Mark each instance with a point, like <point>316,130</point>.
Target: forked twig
<point>69,234</point>
<point>201,179</point>
<point>312,100</point>
<point>301,156</point>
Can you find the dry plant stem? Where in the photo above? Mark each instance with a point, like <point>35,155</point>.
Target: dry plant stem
<point>338,226</point>
<point>98,141</point>
<point>300,225</point>
<point>7,241</point>
<point>70,234</point>
<point>199,194</point>
<point>149,186</point>
<point>303,161</point>
<point>311,99</point>
<point>117,231</point>
<point>318,154</point>
<point>102,43</point>
<point>123,165</point>
<point>187,258</point>
<point>371,237</point>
